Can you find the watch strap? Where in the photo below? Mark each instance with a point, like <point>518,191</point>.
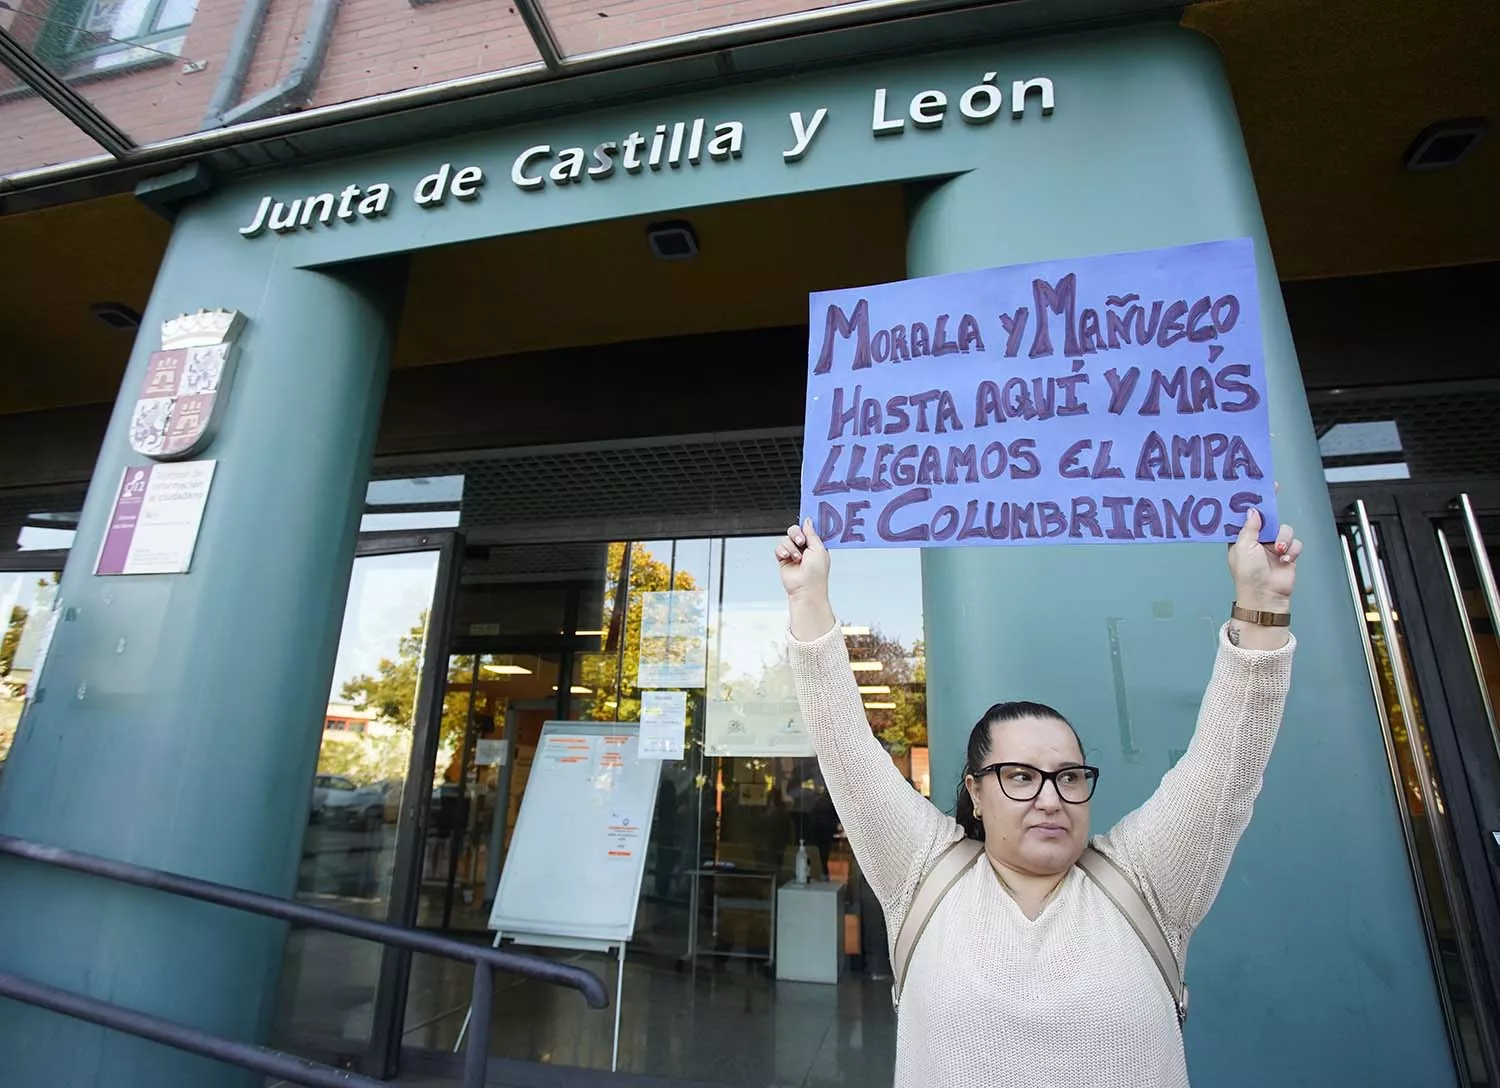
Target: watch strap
<point>1260,619</point>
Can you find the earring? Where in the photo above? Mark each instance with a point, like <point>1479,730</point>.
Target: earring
<point>977,814</point>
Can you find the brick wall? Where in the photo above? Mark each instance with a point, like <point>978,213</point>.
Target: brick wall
<point>582,26</point>
<point>379,46</point>
<point>149,104</point>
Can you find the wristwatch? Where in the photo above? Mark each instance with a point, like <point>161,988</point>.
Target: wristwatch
<point>1260,619</point>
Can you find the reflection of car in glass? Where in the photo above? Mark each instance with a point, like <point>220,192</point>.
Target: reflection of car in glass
<point>336,800</point>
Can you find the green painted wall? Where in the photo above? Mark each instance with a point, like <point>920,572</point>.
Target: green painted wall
<point>1311,970</point>
<point>177,720</point>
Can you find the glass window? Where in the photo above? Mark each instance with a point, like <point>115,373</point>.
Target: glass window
<point>708,617</point>
<point>39,523</point>
<point>328,981</point>
<point>413,502</point>
<point>103,34</point>
<point>26,600</point>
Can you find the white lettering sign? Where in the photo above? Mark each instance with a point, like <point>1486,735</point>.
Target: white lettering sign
<point>668,146</point>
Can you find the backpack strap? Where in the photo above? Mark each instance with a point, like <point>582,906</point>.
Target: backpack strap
<point>939,879</point>
<point>1123,893</point>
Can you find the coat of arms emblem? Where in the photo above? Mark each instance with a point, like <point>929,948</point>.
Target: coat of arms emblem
<point>186,385</point>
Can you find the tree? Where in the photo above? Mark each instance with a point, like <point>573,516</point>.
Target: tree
<point>367,759</point>
<point>616,697</point>
<point>391,693</point>
<point>15,624</point>
<point>12,638</point>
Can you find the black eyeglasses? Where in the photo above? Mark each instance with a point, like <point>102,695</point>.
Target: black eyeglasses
<point>1023,782</point>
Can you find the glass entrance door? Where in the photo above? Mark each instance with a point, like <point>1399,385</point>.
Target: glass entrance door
<point>1420,562</point>
<point>367,799</point>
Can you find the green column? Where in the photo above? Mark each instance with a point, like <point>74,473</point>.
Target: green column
<point>1312,968</point>
<point>178,718</point>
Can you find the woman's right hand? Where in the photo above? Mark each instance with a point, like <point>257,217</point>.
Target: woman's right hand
<point>804,563</point>
<point>804,575</point>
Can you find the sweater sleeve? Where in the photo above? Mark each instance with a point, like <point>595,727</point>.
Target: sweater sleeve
<point>893,829</point>
<point>1179,843</point>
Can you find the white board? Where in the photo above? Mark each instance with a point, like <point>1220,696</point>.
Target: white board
<point>578,852</point>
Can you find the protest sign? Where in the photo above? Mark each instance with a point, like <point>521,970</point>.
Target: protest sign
<point>1099,400</point>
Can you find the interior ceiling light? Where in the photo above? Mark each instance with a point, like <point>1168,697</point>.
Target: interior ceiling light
<point>673,241</point>
<point>866,666</point>
<point>116,315</point>
<point>508,670</point>
<point>855,632</point>
<point>880,706</point>
<point>874,689</point>
<point>1446,143</point>
<point>576,690</point>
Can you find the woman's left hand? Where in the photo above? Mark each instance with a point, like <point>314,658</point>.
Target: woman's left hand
<point>1264,574</point>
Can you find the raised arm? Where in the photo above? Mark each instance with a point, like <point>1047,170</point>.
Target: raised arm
<point>1180,842</point>
<point>892,828</point>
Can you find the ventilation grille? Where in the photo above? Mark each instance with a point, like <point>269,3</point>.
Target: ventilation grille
<point>716,476</point>
<point>756,477</point>
<point>537,562</point>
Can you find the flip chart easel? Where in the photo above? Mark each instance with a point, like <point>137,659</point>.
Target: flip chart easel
<point>572,876</point>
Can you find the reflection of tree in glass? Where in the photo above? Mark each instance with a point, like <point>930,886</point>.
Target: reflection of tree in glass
<point>774,682</point>
<point>391,693</point>
<point>1400,727</point>
<point>11,694</point>
<point>12,638</point>
<point>903,671</point>
<point>617,698</point>
<point>10,704</point>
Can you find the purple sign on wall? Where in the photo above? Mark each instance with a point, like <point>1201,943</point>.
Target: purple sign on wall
<point>123,522</point>
<point>154,526</point>
<point>1098,400</point>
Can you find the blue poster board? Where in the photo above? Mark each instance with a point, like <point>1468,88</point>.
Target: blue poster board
<point>1100,400</point>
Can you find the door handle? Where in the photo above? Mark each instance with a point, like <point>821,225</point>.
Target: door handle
<point>1404,695</point>
<point>1357,595</point>
<point>1487,581</point>
<point>1481,560</point>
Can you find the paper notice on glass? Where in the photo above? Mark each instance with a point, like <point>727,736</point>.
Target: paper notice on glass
<point>752,709</point>
<point>674,639</point>
<point>157,514</point>
<point>663,722</point>
<point>756,726</point>
<point>491,753</point>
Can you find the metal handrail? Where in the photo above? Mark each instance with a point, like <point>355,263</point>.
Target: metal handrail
<point>486,961</point>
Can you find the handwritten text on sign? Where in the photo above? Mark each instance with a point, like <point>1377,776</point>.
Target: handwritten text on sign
<point>1117,398</point>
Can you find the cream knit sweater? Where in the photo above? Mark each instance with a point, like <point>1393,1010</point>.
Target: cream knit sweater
<point>993,999</point>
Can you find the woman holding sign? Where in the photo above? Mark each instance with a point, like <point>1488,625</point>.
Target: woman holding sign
<point>1025,954</point>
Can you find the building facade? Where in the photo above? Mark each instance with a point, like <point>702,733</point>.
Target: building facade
<point>515,306</point>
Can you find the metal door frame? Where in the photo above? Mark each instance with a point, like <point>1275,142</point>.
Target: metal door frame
<point>389,1014</point>
<point>1437,652</point>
